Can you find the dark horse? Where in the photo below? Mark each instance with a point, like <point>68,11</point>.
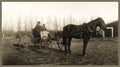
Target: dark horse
<point>81,32</point>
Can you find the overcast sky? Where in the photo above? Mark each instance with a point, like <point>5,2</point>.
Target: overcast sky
<point>80,11</point>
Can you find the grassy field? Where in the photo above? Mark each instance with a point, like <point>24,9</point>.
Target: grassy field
<point>100,51</point>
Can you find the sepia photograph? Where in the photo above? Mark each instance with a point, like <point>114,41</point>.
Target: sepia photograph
<point>59,33</point>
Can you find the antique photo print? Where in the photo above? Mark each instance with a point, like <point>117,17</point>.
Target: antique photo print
<point>59,33</point>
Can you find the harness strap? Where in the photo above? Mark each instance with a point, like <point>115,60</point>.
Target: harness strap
<point>81,32</point>
<point>85,25</point>
<point>89,29</point>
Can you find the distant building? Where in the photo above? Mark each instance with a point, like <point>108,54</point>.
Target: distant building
<point>112,29</point>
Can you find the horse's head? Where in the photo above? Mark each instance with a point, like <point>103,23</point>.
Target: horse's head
<point>100,22</point>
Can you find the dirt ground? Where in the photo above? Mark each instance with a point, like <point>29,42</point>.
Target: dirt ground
<point>100,51</point>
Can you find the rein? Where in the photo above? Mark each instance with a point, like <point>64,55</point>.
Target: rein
<point>88,28</point>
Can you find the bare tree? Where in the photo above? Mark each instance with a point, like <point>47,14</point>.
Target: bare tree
<point>29,24</point>
<point>19,24</point>
<point>60,25</point>
<point>69,19</point>
<point>56,24</point>
<point>49,23</point>
<point>4,29</point>
<point>64,22</point>
<point>80,21</point>
<point>25,26</point>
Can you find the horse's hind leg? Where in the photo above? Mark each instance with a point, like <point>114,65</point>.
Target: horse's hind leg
<point>65,44</point>
<point>69,45</point>
<point>57,41</point>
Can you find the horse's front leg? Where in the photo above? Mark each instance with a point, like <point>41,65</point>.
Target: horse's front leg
<point>69,45</point>
<point>58,43</point>
<point>85,42</point>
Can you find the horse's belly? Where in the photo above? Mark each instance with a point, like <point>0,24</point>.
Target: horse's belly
<point>78,36</point>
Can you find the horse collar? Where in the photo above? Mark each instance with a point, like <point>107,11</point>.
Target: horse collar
<point>89,29</point>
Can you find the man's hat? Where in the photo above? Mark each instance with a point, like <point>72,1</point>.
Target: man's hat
<point>38,22</point>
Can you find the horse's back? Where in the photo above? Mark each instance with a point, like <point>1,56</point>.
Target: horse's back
<point>72,30</point>
<point>69,27</point>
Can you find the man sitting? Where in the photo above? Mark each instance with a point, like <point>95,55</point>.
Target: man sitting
<point>44,27</point>
<point>36,32</point>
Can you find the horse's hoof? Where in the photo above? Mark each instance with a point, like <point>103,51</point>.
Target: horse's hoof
<point>65,53</point>
<point>85,55</point>
<point>70,52</point>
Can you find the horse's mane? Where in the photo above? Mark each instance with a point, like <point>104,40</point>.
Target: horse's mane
<point>93,21</point>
